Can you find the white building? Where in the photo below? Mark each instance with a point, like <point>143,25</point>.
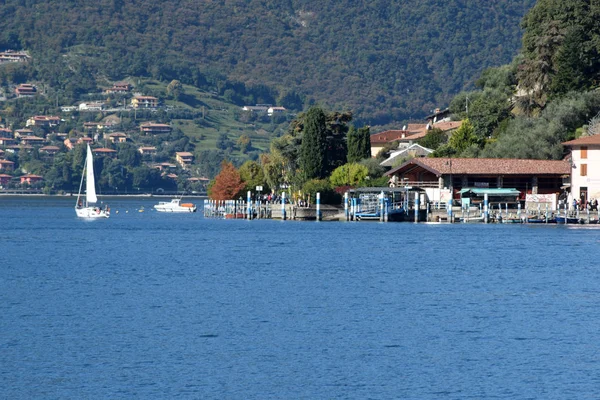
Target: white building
<point>585,167</point>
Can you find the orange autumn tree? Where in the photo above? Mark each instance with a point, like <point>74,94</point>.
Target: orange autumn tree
<point>228,184</point>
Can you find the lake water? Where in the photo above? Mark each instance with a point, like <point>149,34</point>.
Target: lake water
<point>156,306</point>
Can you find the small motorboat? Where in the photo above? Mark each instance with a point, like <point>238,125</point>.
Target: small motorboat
<point>175,206</point>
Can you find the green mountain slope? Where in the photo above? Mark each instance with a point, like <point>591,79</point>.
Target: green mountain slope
<point>386,61</point>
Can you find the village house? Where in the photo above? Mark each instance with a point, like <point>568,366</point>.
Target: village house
<point>85,140</point>
<point>32,140</point>
<point>119,87</point>
<point>91,106</point>
<point>6,165</point>
<point>165,166</point>
<point>117,137</point>
<point>155,129</point>
<point>147,150</point>
<point>67,109</point>
<point>13,56</point>
<point>70,143</point>
<point>380,140</point>
<point>19,133</point>
<point>31,179</point>
<point>438,115</point>
<point>43,121</point>
<point>144,102</point>
<point>184,158</point>
<point>25,90</point>
<point>259,108</point>
<point>585,167</point>
<point>275,110</point>
<point>50,150</point>
<point>404,152</point>
<point>443,178</point>
<point>103,151</point>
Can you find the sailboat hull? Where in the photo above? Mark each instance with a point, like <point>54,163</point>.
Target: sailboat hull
<point>92,212</point>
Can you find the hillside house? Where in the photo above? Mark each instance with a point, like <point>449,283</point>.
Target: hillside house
<point>70,143</point>
<point>43,121</point>
<point>155,129</point>
<point>32,140</point>
<point>30,179</point>
<point>85,140</point>
<point>165,166</point>
<point>585,167</point>
<point>103,151</point>
<point>147,150</point>
<point>275,110</point>
<point>144,102</point>
<point>119,87</point>
<point>91,106</point>
<point>406,151</point>
<point>438,116</point>
<point>184,158</point>
<point>6,165</point>
<point>259,108</point>
<point>50,150</point>
<point>67,109</point>
<point>117,137</point>
<point>13,56</point>
<point>25,90</point>
<point>23,132</point>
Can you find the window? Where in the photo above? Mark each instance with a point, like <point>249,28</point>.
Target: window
<point>583,169</point>
<point>584,152</point>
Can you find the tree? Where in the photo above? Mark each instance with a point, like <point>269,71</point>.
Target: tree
<point>463,138</point>
<point>175,89</point>
<point>244,143</point>
<point>350,174</point>
<point>228,184</point>
<point>252,174</point>
<point>359,144</point>
<point>434,139</point>
<point>313,162</point>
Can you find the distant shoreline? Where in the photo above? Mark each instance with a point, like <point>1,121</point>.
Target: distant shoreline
<point>195,196</point>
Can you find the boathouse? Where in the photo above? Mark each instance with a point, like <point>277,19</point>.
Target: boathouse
<point>447,177</point>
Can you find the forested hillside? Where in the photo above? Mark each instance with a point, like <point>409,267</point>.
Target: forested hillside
<point>385,61</point>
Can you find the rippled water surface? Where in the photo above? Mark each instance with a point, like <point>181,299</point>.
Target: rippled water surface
<point>149,305</point>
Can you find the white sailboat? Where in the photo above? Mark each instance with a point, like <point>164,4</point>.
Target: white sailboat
<point>88,209</point>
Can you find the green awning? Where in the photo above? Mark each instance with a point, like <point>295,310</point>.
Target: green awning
<point>491,192</point>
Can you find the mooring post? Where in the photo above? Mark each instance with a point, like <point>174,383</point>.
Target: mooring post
<point>283,206</point>
<point>519,212</point>
<point>318,206</point>
<point>449,209</point>
<point>249,199</point>
<point>417,205</point>
<point>346,206</point>
<point>486,208</point>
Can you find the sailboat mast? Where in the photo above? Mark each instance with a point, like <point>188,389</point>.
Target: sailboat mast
<point>81,183</point>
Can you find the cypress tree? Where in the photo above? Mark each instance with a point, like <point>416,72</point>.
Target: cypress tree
<point>313,160</point>
<point>353,145</point>
<point>364,135</point>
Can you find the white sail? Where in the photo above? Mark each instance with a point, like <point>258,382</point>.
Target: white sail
<point>90,184</point>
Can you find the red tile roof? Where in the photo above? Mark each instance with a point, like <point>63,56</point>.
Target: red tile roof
<point>388,136</point>
<point>489,166</point>
<point>594,139</point>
